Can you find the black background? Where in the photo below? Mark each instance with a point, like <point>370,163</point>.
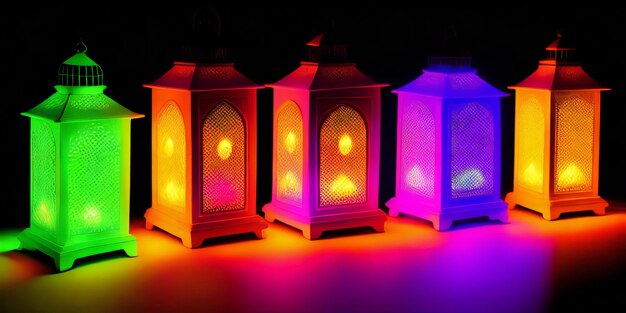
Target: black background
<point>135,44</point>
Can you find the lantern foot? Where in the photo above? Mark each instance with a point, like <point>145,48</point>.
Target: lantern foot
<point>149,226</point>
<point>393,212</point>
<point>552,209</point>
<point>192,242</point>
<point>194,234</point>
<point>65,255</point>
<point>510,200</point>
<point>600,211</point>
<point>261,234</point>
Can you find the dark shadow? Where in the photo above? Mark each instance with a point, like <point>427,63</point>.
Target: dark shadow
<point>329,234</point>
<point>473,222</point>
<point>98,258</point>
<point>229,239</point>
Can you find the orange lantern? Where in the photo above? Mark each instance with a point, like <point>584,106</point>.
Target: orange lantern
<point>557,137</point>
<point>204,148</point>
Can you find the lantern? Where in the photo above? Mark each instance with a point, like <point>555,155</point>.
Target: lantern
<point>557,137</point>
<point>80,168</point>
<point>204,148</point>
<point>326,145</point>
<point>448,145</point>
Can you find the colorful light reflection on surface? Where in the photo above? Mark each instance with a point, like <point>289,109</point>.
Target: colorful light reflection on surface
<point>518,267</point>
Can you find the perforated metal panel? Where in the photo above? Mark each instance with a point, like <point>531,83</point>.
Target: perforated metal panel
<point>223,160</point>
<point>465,81</point>
<point>343,158</point>
<point>418,150</point>
<point>171,158</point>
<point>44,212</point>
<point>92,102</point>
<point>289,160</point>
<point>471,154</point>
<point>574,141</point>
<point>94,178</point>
<point>531,141</point>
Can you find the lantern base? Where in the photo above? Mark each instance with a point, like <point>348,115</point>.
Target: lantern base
<point>552,209</point>
<point>194,234</point>
<point>442,218</point>
<point>312,227</point>
<point>65,255</point>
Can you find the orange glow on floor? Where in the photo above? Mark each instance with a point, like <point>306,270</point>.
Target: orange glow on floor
<point>476,266</point>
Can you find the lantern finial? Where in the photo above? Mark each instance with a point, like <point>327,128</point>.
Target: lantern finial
<point>449,53</point>
<point>561,50</point>
<point>80,46</point>
<point>205,43</point>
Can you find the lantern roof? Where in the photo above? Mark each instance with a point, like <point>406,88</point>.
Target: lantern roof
<point>327,69</point>
<point>316,77</point>
<point>559,71</point>
<point>203,77</point>
<point>454,84</point>
<point>80,94</point>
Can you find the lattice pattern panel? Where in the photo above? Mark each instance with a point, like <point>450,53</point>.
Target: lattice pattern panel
<point>574,142</point>
<point>418,150</point>
<point>94,178</point>
<point>472,164</point>
<point>531,141</point>
<point>90,102</point>
<point>465,81</point>
<point>289,153</point>
<point>343,158</point>
<point>171,158</point>
<point>223,160</point>
<point>44,212</point>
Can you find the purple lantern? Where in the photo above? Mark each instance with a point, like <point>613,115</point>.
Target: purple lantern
<point>448,145</point>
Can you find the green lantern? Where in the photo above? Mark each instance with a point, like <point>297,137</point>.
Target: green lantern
<point>79,168</point>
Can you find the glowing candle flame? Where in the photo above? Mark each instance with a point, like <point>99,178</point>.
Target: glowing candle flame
<point>289,183</point>
<point>532,176</point>
<point>168,147</point>
<point>345,144</point>
<point>415,178</point>
<point>470,179</point>
<point>572,176</point>
<point>92,216</point>
<point>290,142</point>
<point>43,214</point>
<point>342,186</point>
<point>224,149</point>
<point>173,192</point>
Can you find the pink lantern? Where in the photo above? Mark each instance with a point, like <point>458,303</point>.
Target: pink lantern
<point>326,145</point>
<point>448,150</point>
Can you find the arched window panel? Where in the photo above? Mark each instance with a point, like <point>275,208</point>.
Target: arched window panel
<point>531,142</point>
<point>44,211</point>
<point>343,158</point>
<point>289,153</point>
<point>171,158</point>
<point>574,142</point>
<point>472,151</point>
<point>94,170</point>
<point>418,150</point>
<point>223,160</point>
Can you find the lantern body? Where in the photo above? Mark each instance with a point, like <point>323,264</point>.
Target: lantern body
<point>326,150</point>
<point>448,148</point>
<point>80,170</point>
<point>204,153</point>
<point>557,132</point>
